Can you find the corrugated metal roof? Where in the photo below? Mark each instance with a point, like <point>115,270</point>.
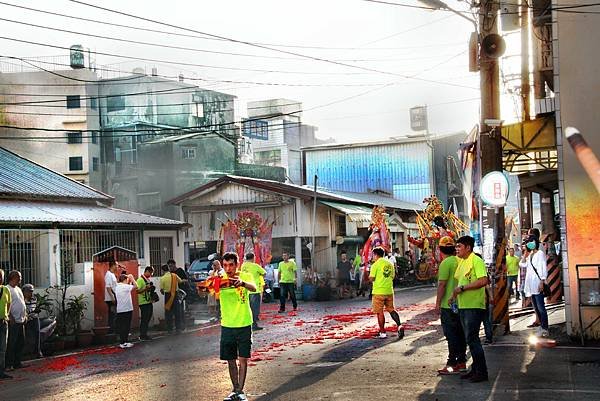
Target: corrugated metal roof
<point>355,213</point>
<point>15,211</point>
<point>375,199</point>
<point>20,176</point>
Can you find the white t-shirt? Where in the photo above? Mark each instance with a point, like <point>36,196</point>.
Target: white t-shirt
<point>124,301</point>
<point>110,281</point>
<point>18,310</point>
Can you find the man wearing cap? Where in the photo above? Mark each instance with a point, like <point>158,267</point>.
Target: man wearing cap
<point>32,327</point>
<point>451,327</point>
<point>471,276</point>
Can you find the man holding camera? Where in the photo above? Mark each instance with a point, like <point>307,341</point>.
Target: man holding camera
<point>146,293</point>
<point>236,324</point>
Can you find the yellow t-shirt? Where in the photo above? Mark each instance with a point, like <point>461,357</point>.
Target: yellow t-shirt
<point>165,281</point>
<point>288,271</point>
<point>235,305</point>
<point>5,300</point>
<point>512,265</point>
<point>257,273</point>
<point>469,270</point>
<point>446,273</point>
<point>383,273</point>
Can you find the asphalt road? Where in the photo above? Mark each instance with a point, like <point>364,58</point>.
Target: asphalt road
<point>325,351</point>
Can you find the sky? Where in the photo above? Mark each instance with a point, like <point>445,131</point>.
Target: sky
<point>394,58</point>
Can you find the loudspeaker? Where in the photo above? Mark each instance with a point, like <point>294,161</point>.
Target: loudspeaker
<point>493,45</point>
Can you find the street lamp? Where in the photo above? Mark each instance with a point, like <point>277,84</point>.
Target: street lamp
<point>440,5</point>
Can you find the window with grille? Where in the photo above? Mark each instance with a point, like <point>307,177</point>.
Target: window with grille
<point>21,250</point>
<point>79,246</point>
<point>188,153</point>
<point>76,163</point>
<point>74,137</point>
<point>73,102</point>
<point>161,250</point>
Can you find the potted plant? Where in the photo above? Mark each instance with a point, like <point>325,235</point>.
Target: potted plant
<point>76,307</point>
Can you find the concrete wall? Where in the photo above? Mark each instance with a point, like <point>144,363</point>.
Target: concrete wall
<point>51,112</point>
<point>576,83</point>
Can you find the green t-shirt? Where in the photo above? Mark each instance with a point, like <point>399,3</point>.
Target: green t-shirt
<point>143,298</point>
<point>5,301</point>
<point>446,273</point>
<point>383,273</point>
<point>235,305</point>
<point>469,270</point>
<point>288,271</point>
<point>512,265</point>
<point>257,272</point>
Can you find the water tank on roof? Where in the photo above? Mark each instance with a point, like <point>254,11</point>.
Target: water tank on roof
<point>77,57</point>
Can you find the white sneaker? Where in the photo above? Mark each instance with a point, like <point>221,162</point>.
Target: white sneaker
<point>382,335</point>
<point>128,345</point>
<point>242,397</point>
<point>123,346</point>
<point>231,397</point>
<point>545,333</point>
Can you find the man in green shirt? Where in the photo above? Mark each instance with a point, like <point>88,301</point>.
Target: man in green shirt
<point>382,275</point>
<point>471,276</point>
<point>258,273</point>
<point>451,327</point>
<point>145,289</point>
<point>287,282</point>
<point>236,324</point>
<point>512,272</point>
<point>5,299</point>
<point>169,284</point>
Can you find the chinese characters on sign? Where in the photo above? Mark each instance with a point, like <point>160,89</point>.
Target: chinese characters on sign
<point>418,118</point>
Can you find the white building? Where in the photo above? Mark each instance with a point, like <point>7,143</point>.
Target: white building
<point>51,227</point>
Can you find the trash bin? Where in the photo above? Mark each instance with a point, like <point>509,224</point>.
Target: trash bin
<point>308,292</point>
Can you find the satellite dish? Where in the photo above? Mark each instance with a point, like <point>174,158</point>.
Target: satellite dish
<point>493,46</point>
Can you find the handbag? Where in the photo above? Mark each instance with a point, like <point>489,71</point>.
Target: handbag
<point>546,289</point>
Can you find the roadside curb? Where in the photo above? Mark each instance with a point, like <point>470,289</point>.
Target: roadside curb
<point>160,335</point>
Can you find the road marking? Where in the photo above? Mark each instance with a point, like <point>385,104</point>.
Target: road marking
<point>323,364</point>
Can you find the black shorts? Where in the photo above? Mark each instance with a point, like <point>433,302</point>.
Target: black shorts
<point>235,342</point>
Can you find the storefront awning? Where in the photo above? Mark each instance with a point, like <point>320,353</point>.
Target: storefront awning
<point>358,214</point>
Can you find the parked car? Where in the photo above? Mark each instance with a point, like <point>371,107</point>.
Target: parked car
<point>199,270</point>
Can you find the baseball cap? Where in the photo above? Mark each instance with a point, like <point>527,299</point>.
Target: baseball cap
<point>27,287</point>
<point>447,241</point>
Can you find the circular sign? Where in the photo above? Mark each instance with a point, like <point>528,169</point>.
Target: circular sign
<point>494,189</point>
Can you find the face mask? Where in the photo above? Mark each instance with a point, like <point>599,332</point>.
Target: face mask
<point>531,245</point>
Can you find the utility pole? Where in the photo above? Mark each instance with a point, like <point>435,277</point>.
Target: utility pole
<point>491,149</point>
<point>314,225</point>
<point>525,88</point>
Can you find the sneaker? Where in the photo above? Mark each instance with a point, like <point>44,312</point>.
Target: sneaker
<point>128,345</point>
<point>382,335</point>
<point>233,396</point>
<point>123,346</point>
<point>400,333</point>
<point>448,370</point>
<point>544,333</point>
<point>241,396</point>
<point>461,367</point>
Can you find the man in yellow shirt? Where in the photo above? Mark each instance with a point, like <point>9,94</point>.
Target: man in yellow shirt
<point>382,276</point>
<point>5,300</point>
<point>169,282</point>
<point>258,273</point>
<point>287,281</point>
<point>471,276</point>
<point>512,272</point>
<point>236,324</point>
